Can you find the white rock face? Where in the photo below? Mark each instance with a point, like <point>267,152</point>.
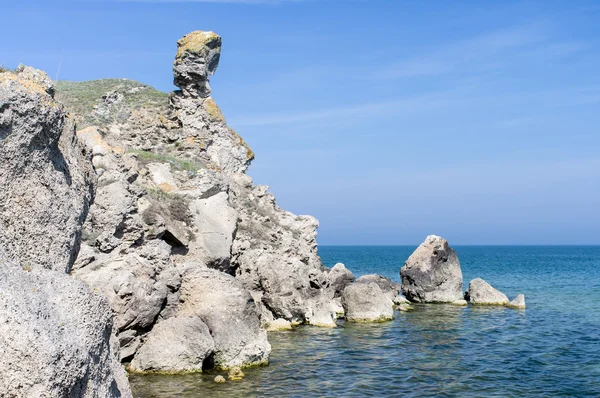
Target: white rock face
<point>432,273</point>
<point>482,293</point>
<point>178,344</point>
<point>216,221</point>
<point>56,337</point>
<point>365,302</point>
<point>45,180</point>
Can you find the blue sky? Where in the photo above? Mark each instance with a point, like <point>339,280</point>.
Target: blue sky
<point>387,120</point>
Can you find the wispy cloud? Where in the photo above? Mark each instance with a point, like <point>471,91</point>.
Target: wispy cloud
<point>480,50</point>
<point>353,112</point>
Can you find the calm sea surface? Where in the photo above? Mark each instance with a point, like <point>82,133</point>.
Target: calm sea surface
<point>550,349</point>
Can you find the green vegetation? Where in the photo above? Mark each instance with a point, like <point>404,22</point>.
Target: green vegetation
<point>83,100</point>
<point>145,157</point>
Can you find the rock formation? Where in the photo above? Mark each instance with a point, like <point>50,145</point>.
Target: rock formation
<point>432,273</point>
<point>176,218</point>
<point>45,181</point>
<point>366,302</point>
<point>518,303</point>
<point>56,336</point>
<point>482,293</point>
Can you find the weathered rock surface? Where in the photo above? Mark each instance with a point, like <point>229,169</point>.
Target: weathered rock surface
<point>45,179</point>
<point>176,345</point>
<point>365,302</point>
<point>172,191</point>
<point>482,293</point>
<point>56,336</point>
<point>432,273</point>
<point>221,302</point>
<point>387,286</point>
<point>339,277</point>
<point>518,303</point>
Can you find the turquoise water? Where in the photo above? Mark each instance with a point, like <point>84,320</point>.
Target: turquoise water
<point>550,349</point>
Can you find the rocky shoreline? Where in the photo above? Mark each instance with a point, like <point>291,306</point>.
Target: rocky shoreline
<point>131,234</point>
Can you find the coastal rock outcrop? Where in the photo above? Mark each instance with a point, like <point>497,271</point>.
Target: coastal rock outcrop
<point>366,302</point>
<point>56,336</point>
<point>482,293</point>
<point>174,204</point>
<point>432,273</point>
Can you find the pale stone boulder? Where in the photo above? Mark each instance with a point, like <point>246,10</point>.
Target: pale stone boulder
<point>176,345</point>
<point>518,303</point>
<point>230,313</point>
<point>387,286</point>
<point>432,273</point>
<point>365,302</point>
<point>482,293</point>
<point>339,277</point>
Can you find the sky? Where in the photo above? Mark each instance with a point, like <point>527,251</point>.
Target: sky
<point>388,120</point>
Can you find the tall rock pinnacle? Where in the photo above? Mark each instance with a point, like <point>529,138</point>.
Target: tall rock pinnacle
<point>197,59</point>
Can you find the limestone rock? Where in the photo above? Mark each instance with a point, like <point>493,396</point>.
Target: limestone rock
<point>176,345</point>
<point>460,303</point>
<point>339,277</point>
<point>229,311</point>
<point>55,338</point>
<point>235,374</point>
<point>387,286</point>
<point>45,177</point>
<point>216,221</point>
<point>365,302</point>
<point>220,379</point>
<point>432,273</point>
<point>197,59</point>
<point>482,293</point>
<point>279,324</point>
<point>518,303</point>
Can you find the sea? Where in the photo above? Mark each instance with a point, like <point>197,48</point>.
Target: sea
<point>550,349</point>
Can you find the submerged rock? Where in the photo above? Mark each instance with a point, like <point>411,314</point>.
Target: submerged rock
<point>235,374</point>
<point>176,345</point>
<point>518,303</point>
<point>220,379</point>
<point>365,302</point>
<point>432,273</point>
<point>482,293</point>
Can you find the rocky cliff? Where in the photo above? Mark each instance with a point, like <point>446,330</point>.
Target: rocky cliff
<point>56,336</point>
<point>179,231</point>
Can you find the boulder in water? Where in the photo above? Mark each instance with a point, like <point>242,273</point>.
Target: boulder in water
<point>518,303</point>
<point>432,273</point>
<point>365,302</point>
<point>482,293</point>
